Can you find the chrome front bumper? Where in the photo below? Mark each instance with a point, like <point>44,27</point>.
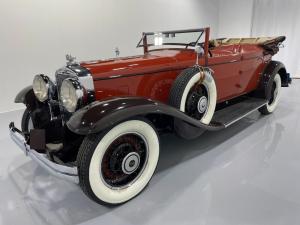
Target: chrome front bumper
<point>61,171</point>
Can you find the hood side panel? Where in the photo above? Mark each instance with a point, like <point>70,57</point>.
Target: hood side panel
<point>152,61</point>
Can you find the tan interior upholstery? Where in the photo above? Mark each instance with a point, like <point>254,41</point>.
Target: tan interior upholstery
<point>259,40</point>
<point>230,41</point>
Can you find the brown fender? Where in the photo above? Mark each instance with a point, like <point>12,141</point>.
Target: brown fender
<point>271,69</point>
<point>27,97</point>
<point>24,95</point>
<point>101,115</point>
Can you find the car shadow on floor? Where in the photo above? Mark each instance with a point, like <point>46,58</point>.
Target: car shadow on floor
<point>48,200</point>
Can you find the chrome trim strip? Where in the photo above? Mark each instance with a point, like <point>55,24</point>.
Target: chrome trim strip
<point>60,171</point>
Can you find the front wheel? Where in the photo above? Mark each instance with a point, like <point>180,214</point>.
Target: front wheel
<point>274,97</point>
<point>26,123</point>
<point>116,165</point>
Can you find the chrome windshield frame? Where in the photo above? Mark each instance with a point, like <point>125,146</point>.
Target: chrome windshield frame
<point>206,31</point>
<point>143,41</point>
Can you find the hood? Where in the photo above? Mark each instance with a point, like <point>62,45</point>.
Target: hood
<point>149,62</point>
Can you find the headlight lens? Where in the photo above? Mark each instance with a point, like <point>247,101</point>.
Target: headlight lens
<point>71,94</point>
<point>41,87</point>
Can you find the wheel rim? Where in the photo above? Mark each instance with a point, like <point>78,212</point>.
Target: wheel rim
<point>197,102</point>
<point>124,160</point>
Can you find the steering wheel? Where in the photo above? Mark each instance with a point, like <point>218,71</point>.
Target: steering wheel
<point>200,44</point>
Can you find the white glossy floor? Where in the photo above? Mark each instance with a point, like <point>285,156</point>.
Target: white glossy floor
<point>247,174</point>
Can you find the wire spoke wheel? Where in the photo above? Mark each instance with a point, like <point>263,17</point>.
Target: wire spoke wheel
<point>116,165</point>
<point>124,160</point>
<point>197,102</point>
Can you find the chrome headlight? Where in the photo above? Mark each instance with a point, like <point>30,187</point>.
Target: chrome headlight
<point>41,84</point>
<point>71,94</point>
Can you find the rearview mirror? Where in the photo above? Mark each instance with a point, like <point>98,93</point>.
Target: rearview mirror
<point>199,50</point>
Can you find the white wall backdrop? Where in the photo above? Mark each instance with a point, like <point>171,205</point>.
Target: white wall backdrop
<point>242,18</point>
<point>36,34</point>
<point>235,18</point>
<point>275,18</point>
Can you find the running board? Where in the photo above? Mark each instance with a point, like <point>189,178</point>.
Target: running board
<point>234,113</point>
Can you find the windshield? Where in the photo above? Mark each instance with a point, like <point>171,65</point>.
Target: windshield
<point>182,38</point>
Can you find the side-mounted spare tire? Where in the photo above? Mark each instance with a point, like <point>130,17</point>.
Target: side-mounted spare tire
<point>194,92</point>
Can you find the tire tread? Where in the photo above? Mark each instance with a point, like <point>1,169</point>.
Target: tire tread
<point>179,84</point>
<point>84,156</point>
<point>264,110</point>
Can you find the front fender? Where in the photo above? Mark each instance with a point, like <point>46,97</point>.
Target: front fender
<point>27,97</point>
<point>24,95</point>
<point>101,115</point>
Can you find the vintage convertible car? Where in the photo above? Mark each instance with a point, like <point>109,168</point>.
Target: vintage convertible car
<point>98,123</point>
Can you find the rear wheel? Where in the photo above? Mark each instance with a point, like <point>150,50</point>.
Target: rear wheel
<point>116,165</point>
<point>274,96</point>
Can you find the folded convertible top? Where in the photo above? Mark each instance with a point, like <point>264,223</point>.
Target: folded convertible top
<point>269,44</point>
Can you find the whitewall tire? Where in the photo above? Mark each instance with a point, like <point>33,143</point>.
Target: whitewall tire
<point>275,96</point>
<point>116,166</point>
<point>184,85</point>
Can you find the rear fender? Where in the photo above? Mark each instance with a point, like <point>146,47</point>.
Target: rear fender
<point>272,68</point>
<point>275,67</point>
<point>101,115</point>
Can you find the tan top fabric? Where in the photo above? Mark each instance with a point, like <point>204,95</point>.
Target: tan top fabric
<point>229,41</point>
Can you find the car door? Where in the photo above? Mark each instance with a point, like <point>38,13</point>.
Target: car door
<point>251,64</point>
<point>225,62</point>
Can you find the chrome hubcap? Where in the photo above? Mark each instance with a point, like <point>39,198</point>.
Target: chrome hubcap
<point>202,104</point>
<point>130,162</point>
